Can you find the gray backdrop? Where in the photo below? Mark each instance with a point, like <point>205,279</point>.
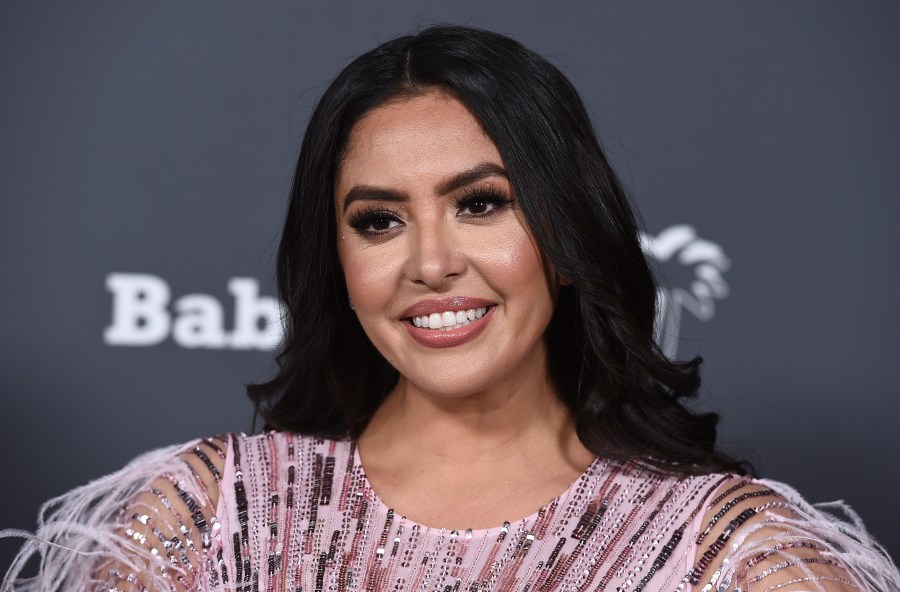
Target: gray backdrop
<point>159,139</point>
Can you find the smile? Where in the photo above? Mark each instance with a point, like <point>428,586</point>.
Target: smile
<point>448,322</point>
<point>449,319</point>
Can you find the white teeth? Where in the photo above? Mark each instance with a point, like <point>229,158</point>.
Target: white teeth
<point>449,319</point>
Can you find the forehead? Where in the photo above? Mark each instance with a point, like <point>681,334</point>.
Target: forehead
<point>419,138</point>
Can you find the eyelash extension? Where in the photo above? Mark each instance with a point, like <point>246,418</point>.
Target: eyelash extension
<point>487,195</point>
<point>363,218</point>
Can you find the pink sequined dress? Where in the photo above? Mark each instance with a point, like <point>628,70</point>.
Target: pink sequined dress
<point>296,513</point>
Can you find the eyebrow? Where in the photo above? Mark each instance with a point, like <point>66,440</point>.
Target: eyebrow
<point>467,177</point>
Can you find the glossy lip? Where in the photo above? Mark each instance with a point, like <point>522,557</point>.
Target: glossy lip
<point>439,338</point>
<point>427,307</point>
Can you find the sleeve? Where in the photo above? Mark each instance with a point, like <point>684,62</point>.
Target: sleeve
<point>762,535</point>
<point>147,527</point>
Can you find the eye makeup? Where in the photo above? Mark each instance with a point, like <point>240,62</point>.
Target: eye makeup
<point>476,203</point>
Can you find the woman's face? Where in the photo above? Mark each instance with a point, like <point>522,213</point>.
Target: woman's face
<point>440,266</point>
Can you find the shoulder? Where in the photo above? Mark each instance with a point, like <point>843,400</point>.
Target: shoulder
<point>176,521</point>
<point>271,458</point>
<point>273,446</point>
<point>761,534</point>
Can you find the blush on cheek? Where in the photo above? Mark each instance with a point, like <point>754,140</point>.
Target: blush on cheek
<point>370,279</point>
<point>356,276</point>
<point>513,255</point>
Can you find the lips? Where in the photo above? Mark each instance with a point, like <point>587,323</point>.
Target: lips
<point>449,321</point>
<point>453,303</point>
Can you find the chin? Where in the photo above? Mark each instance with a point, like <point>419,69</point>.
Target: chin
<point>447,386</point>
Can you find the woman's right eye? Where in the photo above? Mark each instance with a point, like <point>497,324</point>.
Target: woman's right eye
<point>373,222</point>
<point>382,224</point>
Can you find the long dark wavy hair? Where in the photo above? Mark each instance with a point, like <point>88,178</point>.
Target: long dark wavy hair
<point>623,392</point>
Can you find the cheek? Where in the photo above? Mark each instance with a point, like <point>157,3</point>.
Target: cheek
<point>514,264</point>
<point>369,274</point>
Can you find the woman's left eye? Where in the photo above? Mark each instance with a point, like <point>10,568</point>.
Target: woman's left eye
<point>482,204</point>
<point>478,206</point>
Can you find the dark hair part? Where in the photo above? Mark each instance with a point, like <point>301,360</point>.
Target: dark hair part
<point>623,392</point>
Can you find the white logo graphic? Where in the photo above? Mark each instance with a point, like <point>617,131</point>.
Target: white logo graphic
<point>708,261</point>
<point>141,317</point>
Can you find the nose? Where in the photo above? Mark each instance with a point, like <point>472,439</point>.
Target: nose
<point>435,259</point>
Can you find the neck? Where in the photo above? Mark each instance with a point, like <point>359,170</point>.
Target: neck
<point>520,418</point>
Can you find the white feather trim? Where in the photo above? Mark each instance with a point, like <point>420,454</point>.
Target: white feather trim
<point>833,525</point>
<point>77,531</point>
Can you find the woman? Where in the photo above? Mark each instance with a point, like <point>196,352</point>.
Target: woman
<point>469,395</point>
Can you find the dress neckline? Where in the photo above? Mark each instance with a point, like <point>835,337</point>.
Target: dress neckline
<point>591,471</point>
